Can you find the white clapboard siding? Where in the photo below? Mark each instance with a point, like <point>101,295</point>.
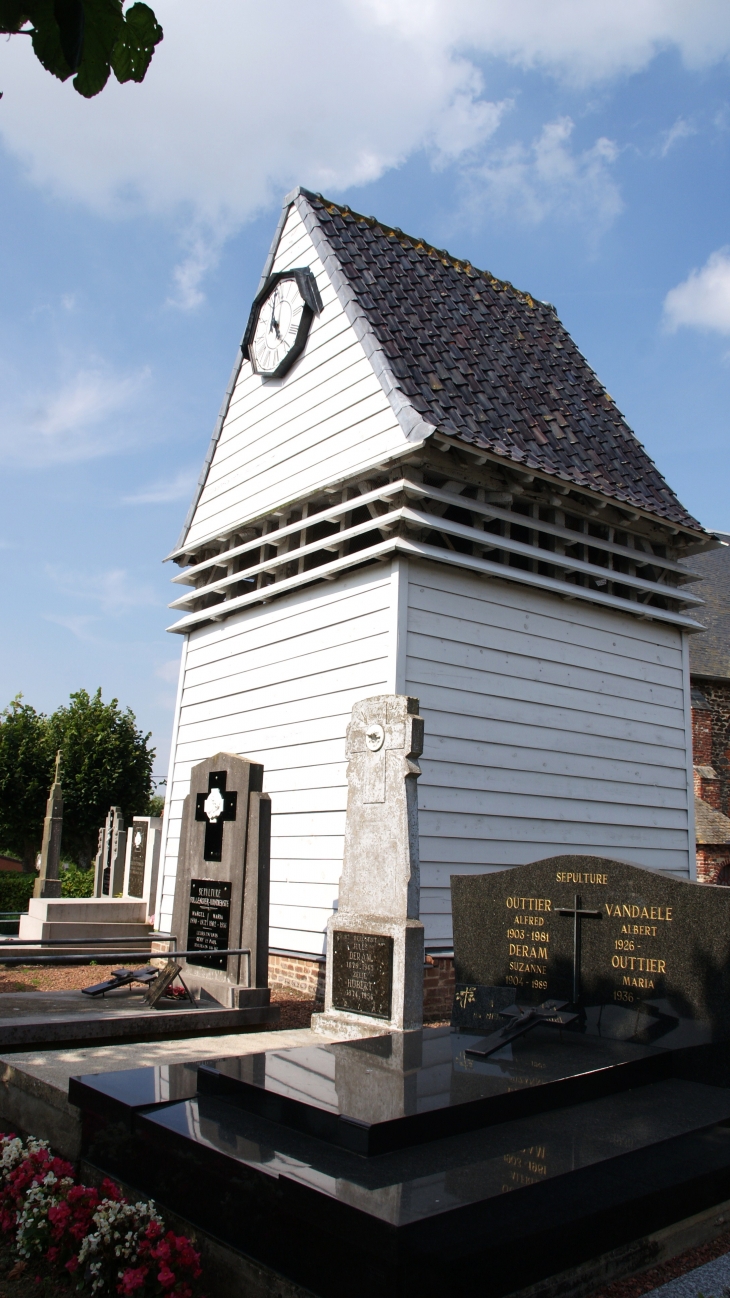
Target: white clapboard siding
<point>277,683</point>
<point>326,419</point>
<point>550,727</point>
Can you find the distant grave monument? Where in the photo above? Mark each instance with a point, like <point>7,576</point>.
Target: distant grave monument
<point>109,863</point>
<point>222,885</point>
<point>142,861</point>
<point>638,953</point>
<point>375,940</point>
<point>48,883</point>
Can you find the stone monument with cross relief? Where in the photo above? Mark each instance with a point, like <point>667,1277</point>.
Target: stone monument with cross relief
<point>222,884</point>
<point>375,941</point>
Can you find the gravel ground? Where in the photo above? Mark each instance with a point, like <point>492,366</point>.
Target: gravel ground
<point>688,1275</point>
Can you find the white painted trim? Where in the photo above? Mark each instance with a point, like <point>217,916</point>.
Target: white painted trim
<point>170,775</point>
<point>398,625</point>
<point>691,831</point>
<point>418,549</point>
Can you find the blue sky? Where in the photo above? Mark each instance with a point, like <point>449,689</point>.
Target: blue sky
<point>579,150</point>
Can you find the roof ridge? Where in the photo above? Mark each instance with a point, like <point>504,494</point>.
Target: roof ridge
<point>422,245</point>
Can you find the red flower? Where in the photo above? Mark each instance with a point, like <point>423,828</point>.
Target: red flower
<point>72,1264</point>
<point>132,1279</point>
<point>166,1277</point>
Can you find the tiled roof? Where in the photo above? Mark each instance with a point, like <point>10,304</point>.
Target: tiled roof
<point>710,825</point>
<point>709,654</point>
<point>488,364</point>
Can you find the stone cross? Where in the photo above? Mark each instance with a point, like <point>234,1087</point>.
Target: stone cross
<point>375,940</point>
<point>48,883</point>
<point>577,914</point>
<point>222,884</point>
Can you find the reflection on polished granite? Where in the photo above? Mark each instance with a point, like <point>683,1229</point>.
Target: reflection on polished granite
<point>429,1179</point>
<point>399,1089</point>
<point>400,1164</point>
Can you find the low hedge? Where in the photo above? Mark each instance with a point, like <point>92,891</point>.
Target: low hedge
<point>16,890</point>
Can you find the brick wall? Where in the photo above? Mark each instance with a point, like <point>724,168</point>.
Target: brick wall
<point>713,863</point>
<point>308,976</point>
<point>300,974</point>
<point>716,694</point>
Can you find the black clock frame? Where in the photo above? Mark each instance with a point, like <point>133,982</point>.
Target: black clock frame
<point>307,285</point>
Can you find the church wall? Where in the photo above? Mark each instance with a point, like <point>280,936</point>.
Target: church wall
<point>551,726</point>
<point>277,683</point>
<point>327,419</point>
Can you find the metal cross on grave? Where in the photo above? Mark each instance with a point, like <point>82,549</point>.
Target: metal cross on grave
<point>214,807</point>
<point>577,915</point>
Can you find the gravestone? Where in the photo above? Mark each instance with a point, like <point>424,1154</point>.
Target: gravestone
<point>222,884</point>
<point>48,884</point>
<point>636,951</point>
<point>143,858</point>
<point>109,865</point>
<point>375,941</point>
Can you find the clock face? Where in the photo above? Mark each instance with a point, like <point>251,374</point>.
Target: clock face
<point>281,327</point>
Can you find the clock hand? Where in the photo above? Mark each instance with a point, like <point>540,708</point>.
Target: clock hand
<point>274,323</point>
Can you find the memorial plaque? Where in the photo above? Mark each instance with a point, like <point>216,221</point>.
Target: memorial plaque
<point>597,932</point>
<point>209,920</point>
<point>135,886</point>
<point>478,1008</point>
<point>362,973</point>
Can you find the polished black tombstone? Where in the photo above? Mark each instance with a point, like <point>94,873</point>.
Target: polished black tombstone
<point>424,1169</point>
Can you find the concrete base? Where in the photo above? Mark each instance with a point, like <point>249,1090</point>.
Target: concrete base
<point>348,1027</point>
<point>71,918</point>
<point>47,1019</point>
<point>34,1084</point>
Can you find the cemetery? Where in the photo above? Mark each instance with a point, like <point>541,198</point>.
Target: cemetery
<point>434,706</point>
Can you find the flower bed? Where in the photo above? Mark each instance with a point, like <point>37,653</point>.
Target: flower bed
<point>94,1239</point>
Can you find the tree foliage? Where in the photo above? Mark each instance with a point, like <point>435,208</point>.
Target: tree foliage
<point>105,761</point>
<point>26,768</point>
<point>90,38</point>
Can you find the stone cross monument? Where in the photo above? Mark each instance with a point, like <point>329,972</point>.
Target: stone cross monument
<point>375,941</point>
<point>222,885</point>
<point>48,883</point>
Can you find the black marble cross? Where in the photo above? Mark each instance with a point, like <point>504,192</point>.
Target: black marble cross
<point>522,1019</point>
<point>577,915</point>
<point>214,807</point>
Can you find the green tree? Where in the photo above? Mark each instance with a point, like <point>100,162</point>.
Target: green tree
<point>106,761</point>
<point>26,772</point>
<point>90,38</point>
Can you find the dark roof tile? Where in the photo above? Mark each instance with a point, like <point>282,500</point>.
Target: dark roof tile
<point>503,361</point>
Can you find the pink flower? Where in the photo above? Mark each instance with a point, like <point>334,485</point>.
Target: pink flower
<point>166,1277</point>
<point>132,1279</point>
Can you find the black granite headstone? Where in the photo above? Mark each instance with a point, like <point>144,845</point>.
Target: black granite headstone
<point>209,922</point>
<point>362,973</point>
<point>641,941</point>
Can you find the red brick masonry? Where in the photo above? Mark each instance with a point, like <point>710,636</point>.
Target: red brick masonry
<point>308,976</point>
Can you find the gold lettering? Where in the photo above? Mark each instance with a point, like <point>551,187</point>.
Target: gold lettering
<point>529,903</point>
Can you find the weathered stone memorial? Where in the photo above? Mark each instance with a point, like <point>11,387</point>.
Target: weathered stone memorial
<point>48,884</point>
<point>222,885</point>
<point>143,859</point>
<point>640,955</point>
<point>375,941</point>
<point>109,863</point>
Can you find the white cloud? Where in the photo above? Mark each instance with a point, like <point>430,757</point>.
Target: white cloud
<point>169,671</point>
<point>547,177</point>
<point>162,493</point>
<point>681,130</point>
<point>115,591</point>
<point>329,95</point>
<point>78,626</point>
<point>702,300</point>
<point>76,421</point>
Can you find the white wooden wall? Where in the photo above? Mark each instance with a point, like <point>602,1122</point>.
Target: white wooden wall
<point>277,684</point>
<point>326,419</point>
<point>550,727</point>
